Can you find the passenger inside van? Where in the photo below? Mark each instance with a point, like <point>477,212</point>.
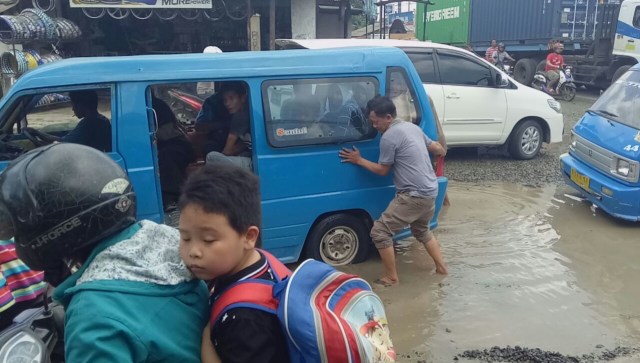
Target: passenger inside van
<point>237,149</point>
<point>212,125</point>
<point>401,97</point>
<point>175,153</point>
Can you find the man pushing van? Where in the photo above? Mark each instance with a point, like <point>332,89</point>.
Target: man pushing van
<point>404,149</point>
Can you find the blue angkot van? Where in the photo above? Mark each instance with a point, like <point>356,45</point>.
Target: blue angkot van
<point>313,205</point>
<point>603,161</point>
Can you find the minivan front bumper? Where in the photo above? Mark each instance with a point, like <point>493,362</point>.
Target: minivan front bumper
<point>621,200</point>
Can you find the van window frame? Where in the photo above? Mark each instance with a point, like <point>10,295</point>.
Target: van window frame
<point>266,109</point>
<point>453,53</point>
<point>412,90</point>
<point>434,58</point>
<point>9,108</point>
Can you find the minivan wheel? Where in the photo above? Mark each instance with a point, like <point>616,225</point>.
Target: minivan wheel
<point>339,240</point>
<point>526,140</point>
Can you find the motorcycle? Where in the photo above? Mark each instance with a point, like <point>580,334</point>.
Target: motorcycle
<point>506,68</point>
<point>185,106</point>
<point>565,89</point>
<point>36,336</point>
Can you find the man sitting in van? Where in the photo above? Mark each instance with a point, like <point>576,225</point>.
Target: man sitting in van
<point>93,130</point>
<point>237,149</point>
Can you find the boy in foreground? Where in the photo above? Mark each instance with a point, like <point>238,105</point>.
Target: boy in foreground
<point>219,232</point>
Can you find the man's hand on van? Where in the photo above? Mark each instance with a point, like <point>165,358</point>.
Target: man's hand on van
<point>353,156</point>
<point>437,149</point>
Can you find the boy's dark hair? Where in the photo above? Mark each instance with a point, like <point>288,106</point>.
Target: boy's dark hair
<point>236,87</point>
<point>226,189</point>
<point>381,106</point>
<point>88,98</point>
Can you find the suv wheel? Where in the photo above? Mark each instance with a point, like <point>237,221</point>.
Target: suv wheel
<point>526,140</point>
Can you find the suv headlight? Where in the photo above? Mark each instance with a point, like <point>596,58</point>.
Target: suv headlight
<point>555,105</point>
<point>623,168</point>
<point>23,347</point>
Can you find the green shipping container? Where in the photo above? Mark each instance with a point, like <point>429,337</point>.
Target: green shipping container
<point>446,22</point>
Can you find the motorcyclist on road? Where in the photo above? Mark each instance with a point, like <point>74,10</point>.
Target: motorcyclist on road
<point>128,297</point>
<point>555,62</point>
<point>500,55</point>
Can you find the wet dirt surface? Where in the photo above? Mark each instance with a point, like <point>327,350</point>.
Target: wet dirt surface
<point>529,267</point>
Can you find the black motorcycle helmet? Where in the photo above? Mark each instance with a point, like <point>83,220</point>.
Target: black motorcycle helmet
<point>59,201</point>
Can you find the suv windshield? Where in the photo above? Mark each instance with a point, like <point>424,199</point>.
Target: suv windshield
<point>621,102</point>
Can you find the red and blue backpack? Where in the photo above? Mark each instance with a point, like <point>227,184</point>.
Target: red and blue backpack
<point>327,316</point>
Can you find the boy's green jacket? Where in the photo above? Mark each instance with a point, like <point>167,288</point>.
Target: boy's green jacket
<point>133,300</point>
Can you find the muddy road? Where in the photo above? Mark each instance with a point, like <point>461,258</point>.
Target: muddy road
<point>529,267</point>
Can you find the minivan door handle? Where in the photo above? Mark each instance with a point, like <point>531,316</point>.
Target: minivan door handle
<point>453,96</point>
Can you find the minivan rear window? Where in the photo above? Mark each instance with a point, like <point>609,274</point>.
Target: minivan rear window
<point>621,102</point>
<point>318,111</point>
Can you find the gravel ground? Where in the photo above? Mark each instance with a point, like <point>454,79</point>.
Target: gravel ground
<point>480,165</point>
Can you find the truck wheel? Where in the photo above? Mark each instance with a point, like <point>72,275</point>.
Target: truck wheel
<point>524,71</point>
<point>622,70</point>
<point>339,240</point>
<point>541,66</point>
<point>526,140</point>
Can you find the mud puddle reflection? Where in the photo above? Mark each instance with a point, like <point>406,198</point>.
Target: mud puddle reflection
<point>528,267</point>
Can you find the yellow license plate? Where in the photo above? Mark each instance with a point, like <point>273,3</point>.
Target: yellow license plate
<point>581,180</point>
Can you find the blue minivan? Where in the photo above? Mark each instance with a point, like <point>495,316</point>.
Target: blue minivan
<point>313,205</point>
<point>603,161</point>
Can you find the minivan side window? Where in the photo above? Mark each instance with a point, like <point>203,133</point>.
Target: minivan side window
<point>462,71</point>
<point>44,118</point>
<point>403,95</point>
<point>423,61</point>
<point>318,111</point>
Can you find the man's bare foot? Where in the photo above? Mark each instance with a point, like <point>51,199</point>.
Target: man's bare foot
<point>441,270</point>
<point>386,282</point>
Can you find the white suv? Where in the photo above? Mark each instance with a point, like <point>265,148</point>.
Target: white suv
<point>473,109</point>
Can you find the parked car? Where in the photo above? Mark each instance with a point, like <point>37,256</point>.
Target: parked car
<point>478,104</point>
<point>603,162</point>
<point>313,204</point>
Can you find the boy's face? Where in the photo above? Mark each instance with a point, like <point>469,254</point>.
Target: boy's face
<point>234,102</point>
<point>209,246</point>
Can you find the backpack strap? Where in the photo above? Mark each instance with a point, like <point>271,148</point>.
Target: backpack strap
<point>279,270</point>
<point>254,293</point>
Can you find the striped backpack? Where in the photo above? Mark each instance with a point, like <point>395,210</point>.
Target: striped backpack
<point>327,316</point>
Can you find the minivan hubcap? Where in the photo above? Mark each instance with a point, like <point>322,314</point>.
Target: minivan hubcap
<point>339,245</point>
<point>530,140</point>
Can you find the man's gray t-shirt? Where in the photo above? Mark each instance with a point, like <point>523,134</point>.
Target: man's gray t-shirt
<point>404,147</point>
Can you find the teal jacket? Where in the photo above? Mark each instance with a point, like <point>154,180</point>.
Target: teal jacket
<point>133,300</point>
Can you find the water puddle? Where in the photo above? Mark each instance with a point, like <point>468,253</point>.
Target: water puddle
<point>528,267</point>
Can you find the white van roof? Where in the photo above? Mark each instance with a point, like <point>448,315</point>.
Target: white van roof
<point>341,43</point>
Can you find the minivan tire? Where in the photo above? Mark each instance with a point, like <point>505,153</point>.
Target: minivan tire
<point>526,140</point>
<point>525,70</point>
<point>338,240</point>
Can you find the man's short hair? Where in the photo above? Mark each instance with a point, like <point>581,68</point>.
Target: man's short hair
<point>236,87</point>
<point>381,106</point>
<point>88,98</point>
<point>228,190</point>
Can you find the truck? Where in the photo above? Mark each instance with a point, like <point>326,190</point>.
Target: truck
<point>601,37</point>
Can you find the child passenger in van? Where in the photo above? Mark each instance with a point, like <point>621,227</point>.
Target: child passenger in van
<point>219,232</point>
<point>237,149</point>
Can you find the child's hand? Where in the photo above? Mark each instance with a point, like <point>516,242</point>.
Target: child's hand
<point>208,353</point>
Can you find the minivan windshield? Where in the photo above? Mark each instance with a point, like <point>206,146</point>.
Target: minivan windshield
<point>621,102</point>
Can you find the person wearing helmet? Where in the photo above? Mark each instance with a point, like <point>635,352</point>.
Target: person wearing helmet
<point>555,62</point>
<point>72,213</point>
<point>500,55</point>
